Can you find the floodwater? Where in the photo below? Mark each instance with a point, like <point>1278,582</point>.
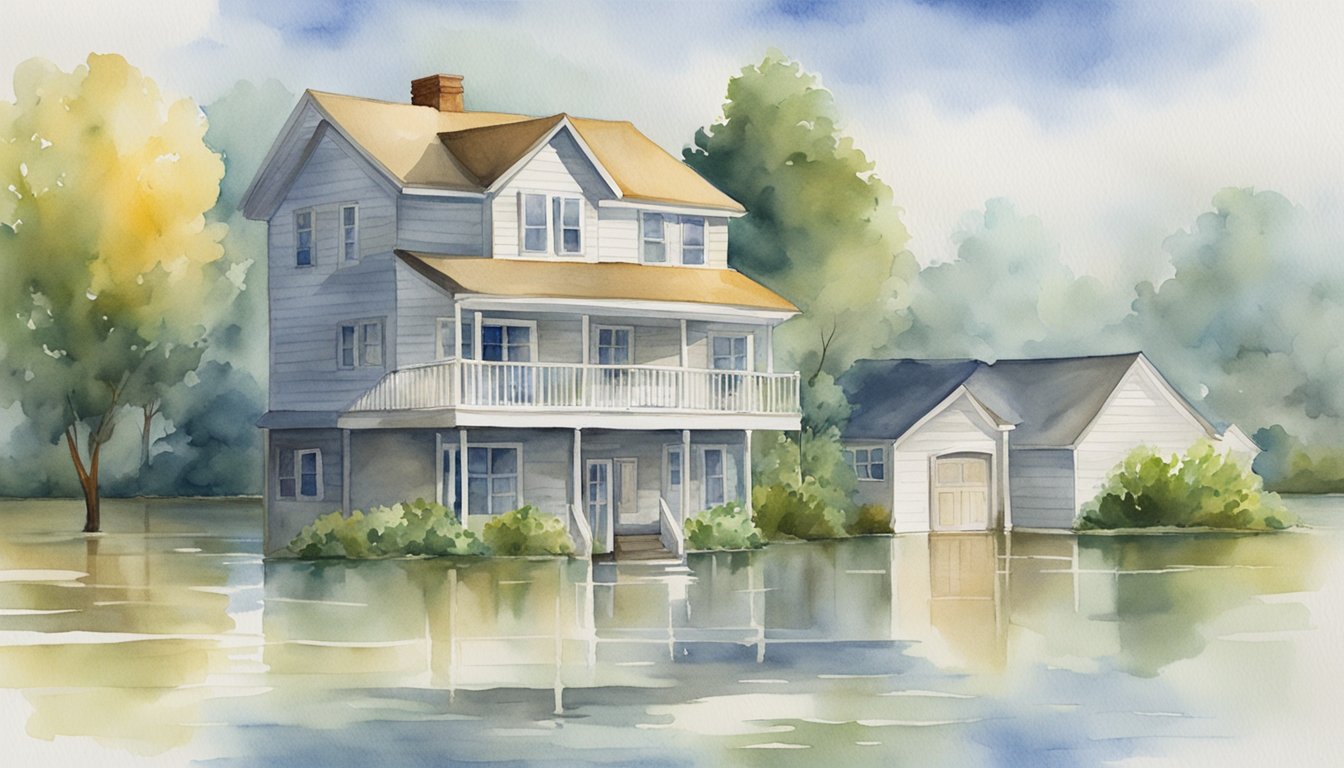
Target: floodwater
<point>170,641</point>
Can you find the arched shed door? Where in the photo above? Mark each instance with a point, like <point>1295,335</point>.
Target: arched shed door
<point>961,492</point>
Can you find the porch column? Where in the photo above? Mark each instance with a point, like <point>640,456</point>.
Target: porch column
<point>746,470</point>
<point>685,469</point>
<point>476,336</point>
<point>769,349</point>
<point>457,328</point>
<point>578,473</point>
<point>345,472</point>
<point>685,356</point>
<point>266,491</point>
<point>586,355</point>
<point>1007,493</point>
<point>462,472</point>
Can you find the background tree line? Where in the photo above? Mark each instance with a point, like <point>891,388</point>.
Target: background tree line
<point>1245,323</point>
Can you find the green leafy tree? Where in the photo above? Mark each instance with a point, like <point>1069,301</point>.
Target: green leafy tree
<point>103,244</point>
<point>821,228</point>
<point>1008,294</point>
<point>1249,324</point>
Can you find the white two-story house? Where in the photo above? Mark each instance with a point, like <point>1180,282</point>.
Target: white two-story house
<point>494,310</point>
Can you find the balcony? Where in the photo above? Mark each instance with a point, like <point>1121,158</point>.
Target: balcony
<point>478,385</point>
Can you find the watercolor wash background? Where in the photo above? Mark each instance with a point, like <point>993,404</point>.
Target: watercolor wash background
<point>1048,160</point>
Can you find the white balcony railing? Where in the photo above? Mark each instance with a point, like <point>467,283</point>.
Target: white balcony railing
<point>489,384</point>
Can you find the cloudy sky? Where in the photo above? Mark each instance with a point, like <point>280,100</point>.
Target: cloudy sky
<point>1114,121</point>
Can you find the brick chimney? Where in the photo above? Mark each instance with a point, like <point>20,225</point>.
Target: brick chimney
<point>442,92</point>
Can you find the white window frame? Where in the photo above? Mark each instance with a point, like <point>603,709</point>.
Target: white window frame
<point>532,337</point>
<point>558,222</point>
<point>700,452</point>
<point>346,257</point>
<point>704,240</point>
<point>360,358</point>
<point>852,456</point>
<point>709,353</point>
<point>311,229</point>
<point>662,237</point>
<point>490,496</point>
<point>597,342</point>
<point>523,226</point>
<point>297,477</point>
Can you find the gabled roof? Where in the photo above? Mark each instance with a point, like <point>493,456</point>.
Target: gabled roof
<point>465,152</point>
<point>534,278</point>
<point>1052,401</point>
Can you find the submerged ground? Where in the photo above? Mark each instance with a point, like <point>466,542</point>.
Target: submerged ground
<point>169,640</point>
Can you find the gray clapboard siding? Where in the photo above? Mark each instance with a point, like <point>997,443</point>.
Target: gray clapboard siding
<point>286,517</point>
<point>1042,488</point>
<point>307,304</point>
<point>452,226</point>
<point>1138,414</point>
<point>558,168</point>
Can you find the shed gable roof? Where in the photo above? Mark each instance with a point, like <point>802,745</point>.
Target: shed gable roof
<point>1052,401</point>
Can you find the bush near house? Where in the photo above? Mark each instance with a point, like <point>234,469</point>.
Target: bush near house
<point>869,519</point>
<point>528,531</point>
<point>1200,488</point>
<point>420,528</point>
<point>410,528</point>
<point>727,526</point>
<point>782,512</point>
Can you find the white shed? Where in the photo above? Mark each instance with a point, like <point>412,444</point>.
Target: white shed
<point>967,445</point>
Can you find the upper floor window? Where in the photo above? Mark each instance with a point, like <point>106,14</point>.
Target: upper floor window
<point>350,233</point>
<point>299,474</point>
<point>692,240</point>
<point>510,341</point>
<point>653,238</point>
<point>868,463</point>
<point>728,353</point>
<point>568,225</point>
<point>535,222</point>
<point>448,346</point>
<point>613,346</point>
<point>360,344</point>
<point>303,238</point>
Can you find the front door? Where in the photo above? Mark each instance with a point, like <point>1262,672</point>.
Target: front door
<point>625,486</point>
<point>961,492</point>
<point>598,498</point>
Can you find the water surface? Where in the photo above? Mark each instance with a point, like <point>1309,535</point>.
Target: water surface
<point>169,640</point>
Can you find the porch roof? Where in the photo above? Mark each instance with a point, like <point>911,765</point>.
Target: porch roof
<point>587,280</point>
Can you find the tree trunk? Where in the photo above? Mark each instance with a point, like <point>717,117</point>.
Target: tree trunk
<point>144,439</point>
<point>88,480</point>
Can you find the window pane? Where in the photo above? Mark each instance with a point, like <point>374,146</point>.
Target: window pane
<point>504,461</point>
<point>604,336</point>
<point>468,340</point>
<point>286,488</point>
<point>713,491</point>
<point>570,241</point>
<point>534,211</point>
<point>534,239</point>
<point>305,238</point>
<point>373,343</point>
<point>447,341</point>
<point>308,463</point>
<point>570,214</point>
<point>518,334</point>
<point>347,358</point>
<point>308,485</point>
<point>478,461</point>
<point>503,486</point>
<point>653,226</point>
<point>348,215</point>
<point>692,255</point>
<point>722,346</point>
<point>478,496</point>
<point>713,463</point>
<point>693,231</point>
<point>304,219</point>
<point>492,334</point>
<point>286,468</point>
<point>654,247</point>
<point>877,471</point>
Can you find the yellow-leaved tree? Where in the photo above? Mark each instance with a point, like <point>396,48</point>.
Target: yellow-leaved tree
<point>104,249</point>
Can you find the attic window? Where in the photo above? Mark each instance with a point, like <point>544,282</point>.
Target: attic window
<point>568,225</point>
<point>303,238</point>
<point>535,222</point>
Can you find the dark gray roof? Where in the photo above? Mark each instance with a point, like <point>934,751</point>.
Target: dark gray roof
<point>1049,400</point>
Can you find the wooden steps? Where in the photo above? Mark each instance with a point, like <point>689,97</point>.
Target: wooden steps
<point>641,547</point>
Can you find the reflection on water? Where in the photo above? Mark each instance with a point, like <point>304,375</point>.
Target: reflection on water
<point>170,638</point>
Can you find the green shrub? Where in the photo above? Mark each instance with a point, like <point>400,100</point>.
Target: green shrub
<point>528,531</point>
<point>411,528</point>
<point>1201,488</point>
<point>727,526</point>
<point>869,519</point>
<point>783,513</point>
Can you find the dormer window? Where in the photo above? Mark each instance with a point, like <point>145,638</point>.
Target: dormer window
<point>535,222</point>
<point>568,225</point>
<point>653,238</point>
<point>692,240</point>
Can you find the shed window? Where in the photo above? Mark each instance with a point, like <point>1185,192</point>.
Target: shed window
<point>868,463</point>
